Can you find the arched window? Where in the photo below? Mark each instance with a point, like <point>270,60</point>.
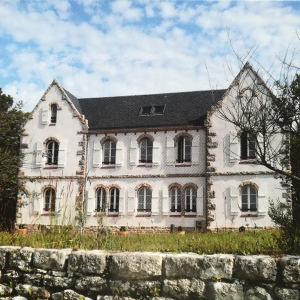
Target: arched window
<point>146,147</point>
<point>49,196</point>
<point>53,113</point>
<point>190,195</point>
<point>247,146</point>
<point>184,147</point>
<point>109,152</point>
<point>249,198</point>
<point>100,200</point>
<point>175,199</point>
<point>52,153</point>
<point>144,200</point>
<point>114,200</point>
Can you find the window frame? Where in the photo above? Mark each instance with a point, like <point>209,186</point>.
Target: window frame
<point>53,110</point>
<point>147,149</point>
<point>190,192</point>
<point>53,153</point>
<point>142,195</point>
<point>109,159</point>
<point>176,198</point>
<point>49,200</point>
<point>247,144</point>
<point>114,201</point>
<point>248,195</point>
<point>100,201</point>
<point>184,150</point>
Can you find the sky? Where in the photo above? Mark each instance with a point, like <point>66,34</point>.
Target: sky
<point>99,48</point>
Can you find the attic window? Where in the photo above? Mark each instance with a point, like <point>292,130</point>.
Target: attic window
<point>152,110</point>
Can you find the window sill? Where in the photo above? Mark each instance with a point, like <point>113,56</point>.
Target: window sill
<point>183,165</point>
<point>175,216</point>
<point>190,216</point>
<point>141,216</point>
<point>52,124</point>
<point>108,167</point>
<point>248,216</point>
<point>248,162</point>
<point>50,168</point>
<point>47,215</point>
<point>145,166</point>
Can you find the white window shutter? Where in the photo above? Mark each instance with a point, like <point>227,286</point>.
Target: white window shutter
<point>200,201</point>
<point>166,201</point>
<point>262,203</point>
<point>39,159</point>
<point>90,209</point>
<point>122,202</point>
<point>155,202</point>
<point>156,153</point>
<point>37,203</point>
<point>62,154</point>
<point>234,201</point>
<point>196,151</point>
<point>133,153</point>
<point>170,152</point>
<point>58,206</point>
<point>131,201</point>
<point>45,116</point>
<point>96,154</point>
<point>119,154</point>
<point>233,147</point>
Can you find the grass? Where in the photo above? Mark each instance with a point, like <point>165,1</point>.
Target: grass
<point>249,242</point>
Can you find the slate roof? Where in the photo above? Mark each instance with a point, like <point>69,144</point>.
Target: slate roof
<point>74,101</point>
<point>182,109</point>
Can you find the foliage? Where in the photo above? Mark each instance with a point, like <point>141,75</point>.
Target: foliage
<point>123,228</point>
<point>180,228</point>
<point>11,121</point>
<point>249,242</point>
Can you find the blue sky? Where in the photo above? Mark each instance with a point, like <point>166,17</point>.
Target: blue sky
<point>123,47</point>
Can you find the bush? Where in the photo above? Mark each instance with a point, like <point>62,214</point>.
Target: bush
<point>123,228</point>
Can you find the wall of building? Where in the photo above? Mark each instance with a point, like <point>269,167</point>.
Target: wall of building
<point>68,274</point>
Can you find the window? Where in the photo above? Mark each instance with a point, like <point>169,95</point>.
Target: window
<point>249,198</point>
<point>176,200</point>
<point>53,113</point>
<point>146,147</point>
<point>144,200</point>
<point>49,200</point>
<point>184,146</point>
<point>190,195</point>
<point>152,110</point>
<point>114,201</point>
<point>52,153</point>
<point>109,152</point>
<point>100,200</point>
<point>247,146</point>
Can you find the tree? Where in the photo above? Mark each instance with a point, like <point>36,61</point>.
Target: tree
<point>11,121</point>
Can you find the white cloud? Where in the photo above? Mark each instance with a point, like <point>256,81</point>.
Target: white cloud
<point>124,7</point>
<point>167,10</point>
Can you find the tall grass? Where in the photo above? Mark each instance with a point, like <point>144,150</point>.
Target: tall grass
<point>251,242</point>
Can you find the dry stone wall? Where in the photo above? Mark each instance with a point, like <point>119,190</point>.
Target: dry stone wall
<point>67,274</point>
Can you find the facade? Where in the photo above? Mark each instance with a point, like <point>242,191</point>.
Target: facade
<point>144,162</point>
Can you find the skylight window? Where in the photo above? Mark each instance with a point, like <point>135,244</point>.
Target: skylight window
<point>152,110</point>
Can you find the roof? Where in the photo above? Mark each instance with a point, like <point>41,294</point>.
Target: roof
<point>181,109</point>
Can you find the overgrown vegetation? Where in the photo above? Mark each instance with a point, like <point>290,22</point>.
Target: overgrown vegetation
<point>249,242</point>
<point>11,121</point>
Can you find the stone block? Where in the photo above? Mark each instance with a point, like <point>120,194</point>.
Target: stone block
<point>134,288</point>
<point>224,291</point>
<point>58,273</point>
<point>257,293</point>
<point>190,265</point>
<point>4,250</point>
<point>51,259</point>
<point>88,262</point>
<point>184,288</point>
<point>286,294</point>
<point>71,295</point>
<point>26,290</point>
<point>19,298</point>
<point>91,283</point>
<point>5,290</point>
<point>146,265</point>
<point>290,268</point>
<point>20,258</point>
<point>34,279</point>
<point>258,267</point>
<point>54,281</point>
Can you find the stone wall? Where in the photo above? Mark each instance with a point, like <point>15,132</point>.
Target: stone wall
<point>67,274</point>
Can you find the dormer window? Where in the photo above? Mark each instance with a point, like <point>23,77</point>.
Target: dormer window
<point>152,110</point>
<point>53,113</point>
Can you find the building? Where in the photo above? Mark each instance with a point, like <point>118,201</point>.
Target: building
<point>145,161</point>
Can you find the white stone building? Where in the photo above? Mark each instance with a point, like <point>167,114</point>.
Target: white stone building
<point>144,161</point>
